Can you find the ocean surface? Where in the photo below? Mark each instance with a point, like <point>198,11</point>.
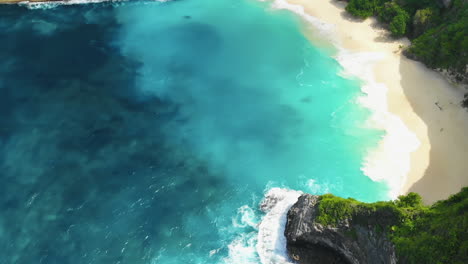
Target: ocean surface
<point>148,132</point>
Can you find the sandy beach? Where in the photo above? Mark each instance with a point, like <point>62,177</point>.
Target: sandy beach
<point>428,105</point>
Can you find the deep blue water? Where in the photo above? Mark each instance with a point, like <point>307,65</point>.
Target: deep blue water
<point>147,132</point>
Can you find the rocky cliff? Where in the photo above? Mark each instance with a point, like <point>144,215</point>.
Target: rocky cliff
<point>351,240</point>
<point>329,229</point>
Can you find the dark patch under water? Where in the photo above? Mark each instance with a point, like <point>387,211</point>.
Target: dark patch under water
<point>83,165</point>
<point>93,170</point>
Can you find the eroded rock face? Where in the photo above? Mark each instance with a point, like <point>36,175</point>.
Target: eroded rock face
<point>309,242</point>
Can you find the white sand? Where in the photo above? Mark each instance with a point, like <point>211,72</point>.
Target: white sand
<point>425,150</point>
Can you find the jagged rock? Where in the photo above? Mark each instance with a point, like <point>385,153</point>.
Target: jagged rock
<point>310,242</point>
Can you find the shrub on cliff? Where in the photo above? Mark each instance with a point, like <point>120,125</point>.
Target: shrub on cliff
<point>399,24</point>
<point>412,5</point>
<point>439,235</point>
<point>388,11</point>
<point>396,16</point>
<point>364,8</point>
<point>360,8</point>
<point>421,234</point>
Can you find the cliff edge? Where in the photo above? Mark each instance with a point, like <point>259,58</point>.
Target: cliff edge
<point>347,242</point>
<point>330,229</point>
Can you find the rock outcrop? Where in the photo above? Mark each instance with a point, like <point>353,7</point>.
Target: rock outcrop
<point>348,242</point>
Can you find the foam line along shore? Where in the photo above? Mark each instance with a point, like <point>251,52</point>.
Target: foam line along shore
<point>423,140</point>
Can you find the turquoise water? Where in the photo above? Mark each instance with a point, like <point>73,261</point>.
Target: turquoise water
<point>148,132</point>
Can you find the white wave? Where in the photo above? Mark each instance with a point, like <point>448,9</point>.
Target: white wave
<point>266,243</point>
<point>317,189</point>
<point>326,30</point>
<point>390,161</point>
<point>271,242</point>
<point>48,5</point>
<point>245,217</point>
<point>242,248</point>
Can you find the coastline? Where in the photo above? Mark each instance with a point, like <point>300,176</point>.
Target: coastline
<point>424,148</point>
<point>416,98</point>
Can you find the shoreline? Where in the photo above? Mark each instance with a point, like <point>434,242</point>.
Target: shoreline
<point>415,98</point>
<point>424,148</point>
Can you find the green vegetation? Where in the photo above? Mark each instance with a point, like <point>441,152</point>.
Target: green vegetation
<point>383,215</point>
<point>398,24</point>
<point>421,234</point>
<point>424,19</point>
<point>445,45</point>
<point>395,16</point>
<point>439,34</point>
<point>361,8</point>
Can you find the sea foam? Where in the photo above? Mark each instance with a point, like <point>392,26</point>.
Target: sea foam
<point>390,161</point>
<point>266,244</point>
<point>271,242</point>
<point>49,5</point>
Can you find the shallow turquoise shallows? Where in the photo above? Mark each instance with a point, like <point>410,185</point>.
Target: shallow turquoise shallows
<point>149,132</point>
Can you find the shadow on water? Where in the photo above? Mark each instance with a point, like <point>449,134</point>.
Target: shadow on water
<point>86,174</point>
